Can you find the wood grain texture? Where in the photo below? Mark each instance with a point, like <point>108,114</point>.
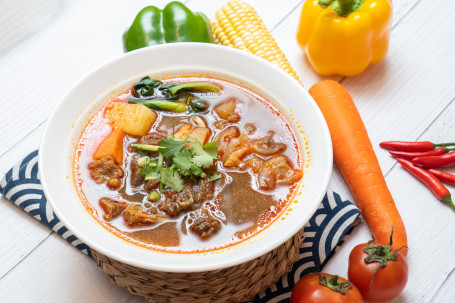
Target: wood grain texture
<point>408,96</point>
<point>61,275</point>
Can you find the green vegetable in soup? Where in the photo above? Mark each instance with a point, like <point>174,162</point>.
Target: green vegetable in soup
<point>177,107</point>
<point>145,87</point>
<point>159,96</point>
<point>174,88</point>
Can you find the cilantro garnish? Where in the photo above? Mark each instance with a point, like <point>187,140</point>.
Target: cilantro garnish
<point>214,177</point>
<point>201,157</point>
<point>170,177</point>
<point>184,160</point>
<point>171,145</point>
<point>212,149</point>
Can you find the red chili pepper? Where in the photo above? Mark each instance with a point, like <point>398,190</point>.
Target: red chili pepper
<point>419,146</point>
<point>443,176</point>
<point>429,180</point>
<point>445,160</point>
<point>412,155</point>
<point>408,146</point>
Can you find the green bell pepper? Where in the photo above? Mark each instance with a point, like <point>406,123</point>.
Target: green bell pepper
<point>175,23</point>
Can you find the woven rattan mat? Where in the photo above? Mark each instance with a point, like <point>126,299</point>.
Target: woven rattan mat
<point>234,284</point>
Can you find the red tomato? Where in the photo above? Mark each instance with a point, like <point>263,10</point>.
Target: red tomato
<point>388,282</point>
<point>309,290</point>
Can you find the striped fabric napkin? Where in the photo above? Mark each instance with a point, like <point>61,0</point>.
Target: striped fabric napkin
<point>324,233</point>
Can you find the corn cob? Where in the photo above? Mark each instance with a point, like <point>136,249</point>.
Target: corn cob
<point>238,25</point>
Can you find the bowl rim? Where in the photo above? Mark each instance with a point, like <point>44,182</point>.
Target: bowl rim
<point>46,137</point>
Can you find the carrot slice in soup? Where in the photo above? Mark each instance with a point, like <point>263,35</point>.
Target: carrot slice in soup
<point>112,146</point>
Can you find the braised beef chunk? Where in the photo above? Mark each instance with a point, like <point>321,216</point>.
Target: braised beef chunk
<point>135,216</point>
<point>151,185</point>
<point>105,170</point>
<point>136,179</point>
<point>152,139</point>
<point>173,202</point>
<point>203,224</point>
<point>205,190</point>
<point>112,208</point>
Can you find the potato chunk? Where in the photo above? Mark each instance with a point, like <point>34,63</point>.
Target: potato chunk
<point>133,119</point>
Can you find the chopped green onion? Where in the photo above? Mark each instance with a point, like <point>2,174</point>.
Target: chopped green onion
<point>142,161</point>
<point>154,196</point>
<point>146,147</point>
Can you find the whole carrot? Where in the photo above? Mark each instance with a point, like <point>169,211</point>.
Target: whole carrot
<point>357,161</point>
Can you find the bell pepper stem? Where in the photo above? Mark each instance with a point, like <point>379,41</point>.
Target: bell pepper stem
<point>325,3</point>
<point>342,7</point>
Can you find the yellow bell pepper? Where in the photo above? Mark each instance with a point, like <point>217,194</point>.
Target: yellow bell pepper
<point>347,37</point>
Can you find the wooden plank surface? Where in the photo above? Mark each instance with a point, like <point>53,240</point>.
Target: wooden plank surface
<point>408,96</point>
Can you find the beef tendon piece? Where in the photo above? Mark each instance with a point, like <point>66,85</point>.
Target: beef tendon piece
<point>266,178</point>
<point>134,215</point>
<point>226,111</point>
<point>203,224</point>
<point>112,208</point>
<point>225,136</point>
<point>249,128</point>
<point>267,146</point>
<point>236,150</point>
<point>255,163</point>
<point>105,170</point>
<point>277,170</point>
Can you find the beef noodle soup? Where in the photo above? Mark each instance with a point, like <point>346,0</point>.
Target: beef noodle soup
<point>187,164</point>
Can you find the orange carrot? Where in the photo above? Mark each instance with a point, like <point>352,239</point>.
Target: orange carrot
<point>112,146</point>
<point>357,161</point>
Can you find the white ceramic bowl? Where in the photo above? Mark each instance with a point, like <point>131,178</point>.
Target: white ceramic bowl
<point>75,110</point>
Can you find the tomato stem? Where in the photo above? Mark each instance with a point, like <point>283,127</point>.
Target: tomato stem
<point>380,253</point>
<point>335,284</point>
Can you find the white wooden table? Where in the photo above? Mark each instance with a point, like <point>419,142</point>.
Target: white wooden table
<point>47,45</point>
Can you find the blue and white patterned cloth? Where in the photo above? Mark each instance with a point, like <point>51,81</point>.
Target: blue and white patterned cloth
<point>324,233</point>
